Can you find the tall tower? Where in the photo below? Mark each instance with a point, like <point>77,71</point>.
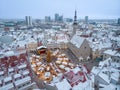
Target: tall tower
<point>56,17</point>
<point>86,19</point>
<point>75,18</point>
<point>28,20</point>
<point>118,21</point>
<point>75,24</point>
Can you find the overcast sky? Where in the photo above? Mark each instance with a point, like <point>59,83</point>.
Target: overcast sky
<point>40,8</point>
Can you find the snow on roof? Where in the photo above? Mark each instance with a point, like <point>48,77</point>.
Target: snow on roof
<point>7,79</point>
<point>110,63</point>
<point>6,39</point>
<point>67,69</point>
<point>9,53</point>
<point>10,69</point>
<point>78,32</point>
<point>17,75</point>
<point>84,68</point>
<point>56,79</point>
<point>32,41</point>
<point>99,42</point>
<point>75,70</point>
<point>41,35</point>
<point>109,87</point>
<point>107,73</point>
<point>8,87</point>
<point>62,66</point>
<point>117,54</point>
<point>63,85</point>
<point>77,41</point>
<point>115,76</point>
<point>107,62</point>
<point>47,74</point>
<point>104,45</point>
<point>95,70</point>
<point>41,47</point>
<point>62,38</point>
<point>115,64</point>
<point>93,78</point>
<point>111,52</point>
<point>104,76</point>
<point>21,43</point>
<point>1,72</point>
<point>50,41</point>
<point>23,80</point>
<point>22,66</point>
<point>82,86</point>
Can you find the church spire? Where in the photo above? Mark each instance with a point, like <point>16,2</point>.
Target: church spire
<point>75,24</point>
<point>75,18</point>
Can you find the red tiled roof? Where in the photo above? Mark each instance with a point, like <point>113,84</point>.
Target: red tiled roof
<point>74,79</point>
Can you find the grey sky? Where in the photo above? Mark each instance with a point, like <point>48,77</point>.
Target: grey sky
<point>40,8</point>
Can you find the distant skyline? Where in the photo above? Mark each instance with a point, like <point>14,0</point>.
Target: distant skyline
<point>38,9</point>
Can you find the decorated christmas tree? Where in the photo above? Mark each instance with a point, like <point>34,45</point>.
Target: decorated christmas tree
<point>48,57</point>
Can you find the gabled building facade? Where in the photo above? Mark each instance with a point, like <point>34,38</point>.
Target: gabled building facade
<point>80,48</point>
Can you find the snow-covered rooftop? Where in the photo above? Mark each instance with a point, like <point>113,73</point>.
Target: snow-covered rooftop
<point>63,85</point>
<point>112,52</point>
<point>77,40</point>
